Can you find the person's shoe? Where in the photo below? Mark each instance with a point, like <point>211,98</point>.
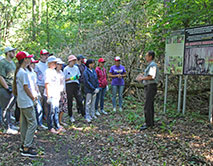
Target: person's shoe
<point>120,109</point>
<point>94,117</point>
<point>29,153</point>
<point>114,109</point>
<point>104,112</point>
<point>63,124</point>
<point>97,113</point>
<point>21,149</point>
<point>88,120</point>
<point>52,130</point>
<point>14,127</point>
<point>72,119</point>
<point>44,127</point>
<point>61,130</point>
<point>11,131</point>
<point>144,127</point>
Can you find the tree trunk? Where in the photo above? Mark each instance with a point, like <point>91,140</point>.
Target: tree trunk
<point>33,20</point>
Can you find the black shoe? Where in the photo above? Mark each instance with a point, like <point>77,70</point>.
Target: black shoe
<point>144,127</point>
<point>29,153</point>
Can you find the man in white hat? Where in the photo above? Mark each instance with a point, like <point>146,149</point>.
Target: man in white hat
<point>7,70</point>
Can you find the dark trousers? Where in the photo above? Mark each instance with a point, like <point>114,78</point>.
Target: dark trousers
<point>73,90</point>
<point>150,92</point>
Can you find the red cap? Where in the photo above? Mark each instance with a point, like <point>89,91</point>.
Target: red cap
<point>34,61</point>
<point>117,58</point>
<point>22,54</point>
<point>101,60</point>
<point>44,52</point>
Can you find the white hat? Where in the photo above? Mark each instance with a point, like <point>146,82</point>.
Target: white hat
<point>7,49</point>
<point>52,59</point>
<point>59,61</point>
<point>117,58</point>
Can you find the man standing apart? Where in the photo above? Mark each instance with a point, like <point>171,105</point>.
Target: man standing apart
<point>40,69</point>
<point>7,70</point>
<point>150,80</point>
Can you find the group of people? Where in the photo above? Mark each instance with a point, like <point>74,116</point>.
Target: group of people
<point>43,90</point>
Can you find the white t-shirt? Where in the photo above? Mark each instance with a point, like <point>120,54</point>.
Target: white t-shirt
<point>53,80</point>
<point>40,69</point>
<point>23,100</point>
<point>32,79</point>
<point>71,72</point>
<point>152,72</point>
<point>62,80</point>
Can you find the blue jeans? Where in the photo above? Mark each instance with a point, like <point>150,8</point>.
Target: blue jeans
<point>120,89</point>
<point>39,113</point>
<point>100,97</point>
<point>53,115</point>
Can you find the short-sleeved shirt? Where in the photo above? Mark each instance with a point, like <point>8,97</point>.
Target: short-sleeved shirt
<point>115,70</point>
<point>153,71</point>
<point>1,57</point>
<point>7,71</point>
<point>51,77</point>
<point>32,79</point>
<point>23,100</point>
<point>71,72</point>
<point>40,69</point>
<point>62,80</point>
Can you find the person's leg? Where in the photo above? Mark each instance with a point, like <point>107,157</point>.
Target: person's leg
<point>56,116</point>
<point>50,116</point>
<point>154,92</point>
<point>93,99</point>
<point>60,117</point>
<point>114,93</point>
<point>30,116</point>
<point>98,95</point>
<point>23,127</point>
<point>120,94</point>
<point>77,94</point>
<point>39,113</point>
<point>43,101</point>
<point>88,105</point>
<point>0,116</point>
<point>103,91</point>
<point>69,90</point>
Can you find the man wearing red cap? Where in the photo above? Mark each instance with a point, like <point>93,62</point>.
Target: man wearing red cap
<point>40,69</point>
<point>7,69</point>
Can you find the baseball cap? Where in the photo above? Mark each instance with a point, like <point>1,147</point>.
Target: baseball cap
<point>44,52</point>
<point>117,58</point>
<point>80,57</point>
<point>22,54</point>
<point>101,60</point>
<point>84,60</point>
<point>52,59</point>
<point>7,49</point>
<point>71,58</point>
<point>59,61</point>
<point>34,61</point>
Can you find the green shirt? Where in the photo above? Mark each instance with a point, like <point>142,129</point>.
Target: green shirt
<point>7,71</point>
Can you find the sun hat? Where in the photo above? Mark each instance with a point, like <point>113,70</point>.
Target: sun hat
<point>22,54</point>
<point>71,58</point>
<point>51,59</point>
<point>101,60</point>
<point>7,49</point>
<point>44,52</point>
<point>60,62</point>
<point>34,61</point>
<point>117,58</point>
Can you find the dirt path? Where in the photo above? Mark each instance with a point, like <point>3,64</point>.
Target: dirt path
<point>114,140</point>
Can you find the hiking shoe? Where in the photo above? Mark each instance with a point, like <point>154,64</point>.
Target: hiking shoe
<point>120,109</point>
<point>104,112</point>
<point>97,113</point>
<point>11,131</point>
<point>21,149</point>
<point>29,153</point>
<point>43,127</point>
<point>88,120</point>
<point>72,119</point>
<point>114,109</point>
<point>94,117</point>
<point>52,130</point>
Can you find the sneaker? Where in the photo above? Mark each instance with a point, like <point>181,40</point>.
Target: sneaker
<point>120,109</point>
<point>88,120</point>
<point>52,130</point>
<point>72,119</point>
<point>21,149</point>
<point>104,112</point>
<point>11,131</point>
<point>94,117</point>
<point>114,109</point>
<point>97,113</point>
<point>29,153</point>
<point>44,127</point>
<point>14,127</point>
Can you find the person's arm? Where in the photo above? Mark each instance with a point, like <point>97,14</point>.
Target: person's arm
<point>3,82</point>
<point>112,76</point>
<point>28,92</point>
<point>86,80</point>
<point>47,89</point>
